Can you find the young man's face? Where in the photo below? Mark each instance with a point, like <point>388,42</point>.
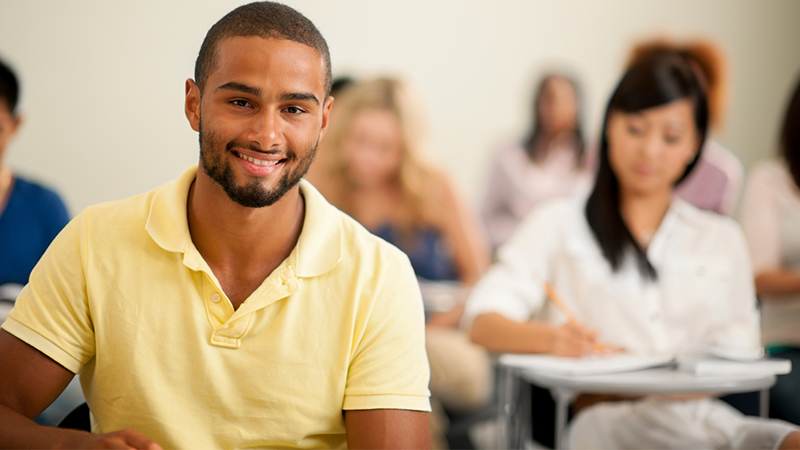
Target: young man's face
<point>260,117</point>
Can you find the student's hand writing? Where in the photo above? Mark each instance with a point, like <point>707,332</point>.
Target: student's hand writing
<point>573,339</point>
<point>122,439</point>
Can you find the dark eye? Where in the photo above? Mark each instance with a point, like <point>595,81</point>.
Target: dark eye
<point>241,103</point>
<point>635,130</point>
<point>293,110</point>
<point>672,139</point>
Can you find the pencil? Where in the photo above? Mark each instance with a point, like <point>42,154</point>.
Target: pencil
<point>555,297</point>
<point>559,302</point>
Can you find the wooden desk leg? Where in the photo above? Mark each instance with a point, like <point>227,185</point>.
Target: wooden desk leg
<point>563,397</point>
<point>763,407</point>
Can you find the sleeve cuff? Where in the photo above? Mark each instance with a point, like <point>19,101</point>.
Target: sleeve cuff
<point>40,343</point>
<point>409,402</point>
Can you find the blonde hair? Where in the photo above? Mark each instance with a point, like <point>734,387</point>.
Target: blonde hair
<point>415,177</point>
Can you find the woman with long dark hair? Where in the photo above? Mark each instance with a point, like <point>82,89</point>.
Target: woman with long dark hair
<point>549,162</point>
<point>642,270</point>
<point>770,217</point>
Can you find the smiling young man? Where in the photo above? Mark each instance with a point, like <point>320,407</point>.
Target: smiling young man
<point>233,307</point>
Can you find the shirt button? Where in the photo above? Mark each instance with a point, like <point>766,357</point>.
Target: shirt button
<point>215,297</point>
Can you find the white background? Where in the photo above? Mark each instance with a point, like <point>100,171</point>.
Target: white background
<point>103,80</point>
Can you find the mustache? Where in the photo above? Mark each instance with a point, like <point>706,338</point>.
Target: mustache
<point>257,148</point>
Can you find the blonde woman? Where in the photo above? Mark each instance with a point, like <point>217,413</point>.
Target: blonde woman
<point>373,165</point>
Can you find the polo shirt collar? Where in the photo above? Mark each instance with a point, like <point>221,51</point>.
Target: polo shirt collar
<point>318,249</point>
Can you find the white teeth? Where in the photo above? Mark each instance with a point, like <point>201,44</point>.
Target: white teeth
<point>257,161</point>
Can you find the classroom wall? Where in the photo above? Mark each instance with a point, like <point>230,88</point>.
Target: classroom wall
<point>104,80</point>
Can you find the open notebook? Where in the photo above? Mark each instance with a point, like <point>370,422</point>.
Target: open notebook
<point>715,366</point>
<point>706,365</point>
<point>587,365</point>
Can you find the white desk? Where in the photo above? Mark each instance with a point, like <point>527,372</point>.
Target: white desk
<point>514,397</point>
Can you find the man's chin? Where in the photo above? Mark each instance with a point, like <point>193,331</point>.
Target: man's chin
<point>256,196</point>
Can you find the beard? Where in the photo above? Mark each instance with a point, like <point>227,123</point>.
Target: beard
<point>252,194</point>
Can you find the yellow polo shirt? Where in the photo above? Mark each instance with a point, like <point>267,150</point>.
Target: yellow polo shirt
<point>123,297</point>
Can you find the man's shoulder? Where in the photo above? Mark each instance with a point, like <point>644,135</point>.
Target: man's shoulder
<point>35,191</point>
<point>357,244</point>
<point>359,240</point>
<point>121,210</point>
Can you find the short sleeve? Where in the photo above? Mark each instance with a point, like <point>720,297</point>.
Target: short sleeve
<point>389,366</point>
<point>52,311</point>
<point>760,218</point>
<point>513,286</point>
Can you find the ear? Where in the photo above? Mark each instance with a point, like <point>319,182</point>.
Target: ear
<point>16,121</point>
<point>192,106</point>
<point>326,112</point>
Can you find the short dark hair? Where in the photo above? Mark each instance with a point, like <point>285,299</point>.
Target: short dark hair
<point>790,135</point>
<point>9,88</point>
<point>266,20</point>
<point>653,82</point>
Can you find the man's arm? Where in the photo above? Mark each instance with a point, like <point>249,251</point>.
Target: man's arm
<point>387,428</point>
<point>29,382</point>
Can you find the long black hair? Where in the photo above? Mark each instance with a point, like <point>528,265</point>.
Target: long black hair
<point>536,131</point>
<point>790,135</point>
<point>650,83</point>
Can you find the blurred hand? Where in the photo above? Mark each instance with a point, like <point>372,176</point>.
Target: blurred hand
<point>573,339</point>
<point>122,439</point>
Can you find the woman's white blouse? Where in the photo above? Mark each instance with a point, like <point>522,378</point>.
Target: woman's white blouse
<point>703,297</point>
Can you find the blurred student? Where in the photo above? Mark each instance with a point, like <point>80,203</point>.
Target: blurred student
<point>549,162</point>
<point>770,217</point>
<point>716,181</point>
<point>377,171</point>
<point>338,85</point>
<point>632,262</point>
<point>31,215</point>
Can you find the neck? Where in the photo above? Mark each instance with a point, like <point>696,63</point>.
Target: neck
<point>241,245</point>
<point>643,213</point>
<point>5,186</point>
<point>541,147</point>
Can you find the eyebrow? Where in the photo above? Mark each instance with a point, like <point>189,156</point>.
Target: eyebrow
<point>239,87</point>
<point>234,86</point>
<point>301,96</point>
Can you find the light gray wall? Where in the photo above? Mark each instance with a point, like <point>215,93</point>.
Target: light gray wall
<point>104,80</point>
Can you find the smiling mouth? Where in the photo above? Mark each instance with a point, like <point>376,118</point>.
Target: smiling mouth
<point>260,162</point>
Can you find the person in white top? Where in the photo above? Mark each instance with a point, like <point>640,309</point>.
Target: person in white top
<point>643,271</point>
<point>770,218</point>
<point>550,162</point>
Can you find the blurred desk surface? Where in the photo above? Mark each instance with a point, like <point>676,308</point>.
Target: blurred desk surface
<point>441,296</point>
<point>8,294</point>
<point>514,397</point>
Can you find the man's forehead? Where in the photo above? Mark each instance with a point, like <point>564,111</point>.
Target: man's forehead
<point>256,50</point>
<point>251,60</point>
<point>266,45</point>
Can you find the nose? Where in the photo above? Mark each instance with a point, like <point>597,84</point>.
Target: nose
<point>651,145</point>
<point>267,130</point>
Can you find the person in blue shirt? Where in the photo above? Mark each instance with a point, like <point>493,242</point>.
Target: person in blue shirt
<point>31,215</point>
